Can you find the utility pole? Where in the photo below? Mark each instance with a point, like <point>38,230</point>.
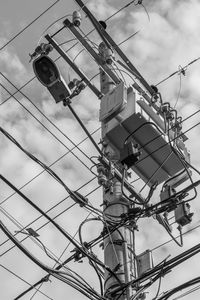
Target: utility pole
<point>117,246</point>
<point>128,123</point>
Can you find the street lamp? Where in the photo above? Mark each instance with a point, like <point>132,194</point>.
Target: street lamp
<point>48,74</point>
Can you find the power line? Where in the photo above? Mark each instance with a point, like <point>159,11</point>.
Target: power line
<point>186,232</point>
<point>21,31</point>
<point>47,120</point>
<point>19,277</point>
<point>50,209</point>
<point>179,71</point>
<point>187,293</point>
<point>40,173</point>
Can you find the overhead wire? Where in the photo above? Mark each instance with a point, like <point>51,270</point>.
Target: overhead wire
<point>20,278</point>
<point>59,275</point>
<point>187,293</point>
<point>58,267</point>
<point>46,119</point>
<point>27,26</point>
<point>47,211</point>
<point>40,173</point>
<point>183,69</point>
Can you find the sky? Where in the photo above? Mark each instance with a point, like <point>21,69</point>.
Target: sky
<point>167,39</point>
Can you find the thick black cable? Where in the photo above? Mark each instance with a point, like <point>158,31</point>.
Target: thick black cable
<point>52,272</point>
<point>168,266</point>
<point>85,129</point>
<point>81,249</point>
<point>183,286</point>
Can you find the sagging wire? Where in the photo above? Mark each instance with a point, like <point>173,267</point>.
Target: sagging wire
<point>58,274</point>
<point>183,286</point>
<point>140,2</point>
<point>81,250</point>
<point>181,72</point>
<point>53,23</point>
<point>187,293</point>
<point>57,268</point>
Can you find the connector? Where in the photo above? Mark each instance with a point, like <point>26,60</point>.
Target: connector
<point>129,155</point>
<point>78,198</point>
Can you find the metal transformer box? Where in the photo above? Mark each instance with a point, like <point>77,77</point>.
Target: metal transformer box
<point>157,161</point>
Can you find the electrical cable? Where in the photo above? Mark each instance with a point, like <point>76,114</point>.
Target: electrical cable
<point>57,268</point>
<point>43,225</point>
<point>45,215</point>
<point>20,278</point>
<point>85,129</point>
<point>82,250</point>
<point>53,23</point>
<point>53,272</point>
<point>45,118</point>
<point>185,285</point>
<point>170,264</point>
<point>187,293</point>
<point>176,72</point>
<point>27,26</point>
<point>74,195</point>
<point>40,173</point>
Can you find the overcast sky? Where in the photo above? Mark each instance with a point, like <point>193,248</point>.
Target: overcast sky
<point>168,38</point>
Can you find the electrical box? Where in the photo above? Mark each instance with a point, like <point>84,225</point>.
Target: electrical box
<point>183,216</point>
<point>166,192</point>
<point>144,262</point>
<point>113,102</point>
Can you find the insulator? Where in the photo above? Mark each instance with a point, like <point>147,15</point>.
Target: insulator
<point>100,168</point>
<point>106,53</point>
<point>102,179</point>
<point>76,17</point>
<point>81,85</point>
<point>108,56</point>
<point>46,48</point>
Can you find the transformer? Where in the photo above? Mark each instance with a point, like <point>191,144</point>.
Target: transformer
<point>135,118</point>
